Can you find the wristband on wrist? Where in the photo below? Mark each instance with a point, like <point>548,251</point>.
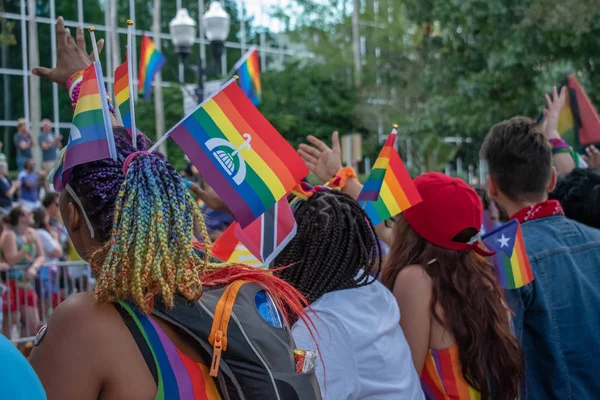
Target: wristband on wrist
<point>341,178</point>
<point>74,86</point>
<point>559,145</point>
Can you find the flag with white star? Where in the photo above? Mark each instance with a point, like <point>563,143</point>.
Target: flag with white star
<point>510,261</point>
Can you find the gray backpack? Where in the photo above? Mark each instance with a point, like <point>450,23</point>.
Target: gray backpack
<point>252,352</point>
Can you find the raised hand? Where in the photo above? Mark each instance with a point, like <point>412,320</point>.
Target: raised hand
<point>592,157</point>
<point>209,197</point>
<point>321,160</point>
<point>551,113</point>
<point>71,55</point>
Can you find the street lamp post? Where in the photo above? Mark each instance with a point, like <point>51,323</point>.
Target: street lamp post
<point>183,34</point>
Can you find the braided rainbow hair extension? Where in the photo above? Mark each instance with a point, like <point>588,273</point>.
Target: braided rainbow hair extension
<point>148,247</point>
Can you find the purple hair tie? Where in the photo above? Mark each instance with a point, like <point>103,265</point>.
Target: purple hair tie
<point>130,158</point>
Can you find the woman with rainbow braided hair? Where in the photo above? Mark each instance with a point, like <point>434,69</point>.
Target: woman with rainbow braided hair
<point>330,261</point>
<point>133,219</point>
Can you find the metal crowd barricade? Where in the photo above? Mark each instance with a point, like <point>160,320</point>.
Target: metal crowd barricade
<point>53,284</point>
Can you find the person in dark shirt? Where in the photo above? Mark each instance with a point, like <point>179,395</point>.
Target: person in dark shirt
<point>7,189</point>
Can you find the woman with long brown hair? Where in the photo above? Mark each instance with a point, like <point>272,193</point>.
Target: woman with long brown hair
<point>453,314</point>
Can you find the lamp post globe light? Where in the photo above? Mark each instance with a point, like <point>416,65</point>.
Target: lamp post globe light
<point>216,28</point>
<point>183,33</point>
<point>216,24</point>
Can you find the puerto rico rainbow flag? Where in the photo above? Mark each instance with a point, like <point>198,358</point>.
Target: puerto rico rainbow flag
<point>270,233</point>
<point>239,153</point>
<point>389,190</point>
<point>91,137</point>
<point>228,248</point>
<point>511,263</point>
<point>248,70</point>
<point>151,61</point>
<point>122,93</point>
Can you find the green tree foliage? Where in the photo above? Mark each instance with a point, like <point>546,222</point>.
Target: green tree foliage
<point>485,61</point>
<point>455,68</point>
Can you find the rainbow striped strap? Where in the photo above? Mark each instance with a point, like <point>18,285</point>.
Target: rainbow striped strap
<point>340,178</point>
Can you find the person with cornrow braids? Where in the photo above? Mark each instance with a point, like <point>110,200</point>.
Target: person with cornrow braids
<point>133,219</point>
<point>330,261</point>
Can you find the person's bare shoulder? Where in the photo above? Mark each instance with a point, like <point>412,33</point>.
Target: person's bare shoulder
<point>79,323</point>
<point>413,280</point>
<point>414,274</point>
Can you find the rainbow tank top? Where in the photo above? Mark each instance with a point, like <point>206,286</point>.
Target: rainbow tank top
<point>442,376</point>
<point>177,376</point>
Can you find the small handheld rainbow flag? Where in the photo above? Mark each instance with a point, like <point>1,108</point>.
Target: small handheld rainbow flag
<point>578,121</point>
<point>239,153</point>
<point>151,61</point>
<point>512,265</point>
<point>228,248</point>
<point>122,93</point>
<point>389,190</point>
<point>91,137</point>
<point>248,70</point>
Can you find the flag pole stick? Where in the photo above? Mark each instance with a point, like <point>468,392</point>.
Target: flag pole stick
<point>94,45</point>
<point>130,39</point>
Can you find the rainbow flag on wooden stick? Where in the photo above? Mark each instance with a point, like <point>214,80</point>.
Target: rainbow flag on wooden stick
<point>122,93</point>
<point>91,137</point>
<point>248,70</point>
<point>151,61</point>
<point>239,153</point>
<point>512,265</point>
<point>389,190</point>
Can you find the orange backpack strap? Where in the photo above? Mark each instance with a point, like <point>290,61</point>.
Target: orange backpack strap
<point>218,332</point>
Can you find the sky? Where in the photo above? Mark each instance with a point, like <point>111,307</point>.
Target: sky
<point>260,10</point>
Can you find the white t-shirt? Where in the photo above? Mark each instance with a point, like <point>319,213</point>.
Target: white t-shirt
<point>49,244</point>
<point>363,347</point>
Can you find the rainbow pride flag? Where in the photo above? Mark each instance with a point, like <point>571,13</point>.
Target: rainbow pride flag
<point>389,190</point>
<point>511,263</point>
<point>151,61</point>
<point>248,70</point>
<point>91,137</point>
<point>239,153</point>
<point>122,93</point>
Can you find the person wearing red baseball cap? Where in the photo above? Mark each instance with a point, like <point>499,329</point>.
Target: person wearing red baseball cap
<point>451,304</point>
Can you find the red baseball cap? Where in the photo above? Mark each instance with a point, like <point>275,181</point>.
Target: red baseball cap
<point>449,206</point>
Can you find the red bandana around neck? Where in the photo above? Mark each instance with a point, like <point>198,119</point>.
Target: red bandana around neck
<point>545,209</point>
